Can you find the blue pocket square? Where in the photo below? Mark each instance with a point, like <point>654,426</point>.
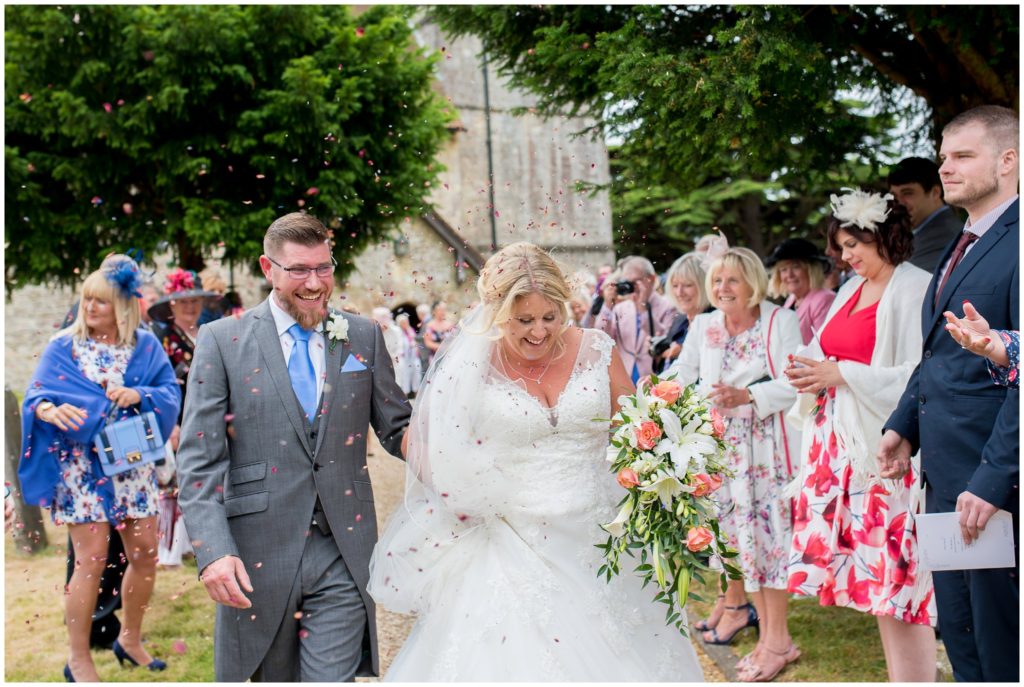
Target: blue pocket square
<point>352,364</point>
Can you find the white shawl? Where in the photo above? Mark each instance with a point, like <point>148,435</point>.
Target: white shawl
<point>701,362</point>
<point>871,392</point>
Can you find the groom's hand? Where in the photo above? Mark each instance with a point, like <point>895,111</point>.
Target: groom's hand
<point>222,579</point>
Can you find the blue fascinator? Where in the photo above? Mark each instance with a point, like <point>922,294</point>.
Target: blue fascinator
<point>124,273</point>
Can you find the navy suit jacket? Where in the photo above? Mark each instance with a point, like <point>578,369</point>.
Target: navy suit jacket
<point>965,426</point>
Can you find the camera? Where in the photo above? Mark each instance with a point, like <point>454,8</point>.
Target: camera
<point>624,288</point>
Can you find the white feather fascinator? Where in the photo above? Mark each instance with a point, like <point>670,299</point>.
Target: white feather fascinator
<point>866,210</point>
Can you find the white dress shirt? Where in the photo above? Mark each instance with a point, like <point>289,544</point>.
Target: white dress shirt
<point>317,354</point>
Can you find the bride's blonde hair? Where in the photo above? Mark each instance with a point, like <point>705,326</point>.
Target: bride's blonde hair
<point>520,269</point>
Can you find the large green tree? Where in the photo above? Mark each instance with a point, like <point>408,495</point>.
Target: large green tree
<point>198,125</point>
<point>749,113</point>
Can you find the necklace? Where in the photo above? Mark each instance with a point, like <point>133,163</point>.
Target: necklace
<point>506,364</point>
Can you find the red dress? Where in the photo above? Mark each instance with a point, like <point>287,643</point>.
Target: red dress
<point>854,545</point>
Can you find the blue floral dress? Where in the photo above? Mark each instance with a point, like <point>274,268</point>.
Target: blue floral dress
<point>1007,376</point>
<point>76,499</point>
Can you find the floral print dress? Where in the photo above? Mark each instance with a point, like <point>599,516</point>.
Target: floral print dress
<point>76,499</point>
<point>754,513</point>
<point>855,545</point>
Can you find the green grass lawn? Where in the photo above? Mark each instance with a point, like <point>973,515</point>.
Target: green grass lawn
<point>178,627</point>
<point>836,644</point>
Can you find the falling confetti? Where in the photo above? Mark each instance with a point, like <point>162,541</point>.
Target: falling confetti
<point>179,646</point>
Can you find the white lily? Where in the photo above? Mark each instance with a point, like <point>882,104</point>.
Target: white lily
<point>685,445</point>
<point>665,486</point>
<point>617,527</point>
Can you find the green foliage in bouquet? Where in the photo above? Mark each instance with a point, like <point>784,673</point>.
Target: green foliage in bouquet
<point>667,451</point>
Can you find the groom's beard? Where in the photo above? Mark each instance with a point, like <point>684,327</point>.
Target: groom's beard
<point>307,319</point>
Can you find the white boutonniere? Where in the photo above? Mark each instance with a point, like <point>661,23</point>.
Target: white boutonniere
<point>337,330</point>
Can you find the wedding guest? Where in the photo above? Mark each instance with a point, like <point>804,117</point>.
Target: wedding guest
<point>854,540</point>
<point>915,184</point>
<point>606,295</point>
<point>392,337</point>
<point>966,427</point>
<point>705,242</point>
<point>1000,347</point>
<point>216,305</point>
<point>437,328</point>
<point>798,272</point>
<point>737,355</point>
<point>150,295</point>
<point>686,291</point>
<point>641,315</point>
<point>177,315</point>
<point>579,304</point>
<point>102,361</point>
<point>408,369</point>
<point>840,272</point>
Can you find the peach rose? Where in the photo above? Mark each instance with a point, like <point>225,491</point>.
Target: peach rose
<point>717,424</point>
<point>698,538</point>
<point>647,435</point>
<point>669,391</point>
<point>701,485</point>
<point>627,478</point>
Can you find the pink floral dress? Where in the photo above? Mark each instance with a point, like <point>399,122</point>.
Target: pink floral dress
<point>854,545</point>
<point>754,513</point>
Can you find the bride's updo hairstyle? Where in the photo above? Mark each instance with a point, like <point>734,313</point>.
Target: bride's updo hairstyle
<point>520,269</point>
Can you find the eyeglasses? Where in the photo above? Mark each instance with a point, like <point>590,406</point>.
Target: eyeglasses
<point>301,273</point>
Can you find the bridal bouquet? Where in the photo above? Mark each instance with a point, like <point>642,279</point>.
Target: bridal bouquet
<point>667,452</point>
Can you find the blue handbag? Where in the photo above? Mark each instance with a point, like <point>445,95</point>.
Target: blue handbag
<point>128,443</point>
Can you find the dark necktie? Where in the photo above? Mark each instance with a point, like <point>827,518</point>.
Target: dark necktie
<point>300,369</point>
<point>966,239</point>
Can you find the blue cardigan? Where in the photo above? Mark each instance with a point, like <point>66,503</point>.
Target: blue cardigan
<point>58,379</point>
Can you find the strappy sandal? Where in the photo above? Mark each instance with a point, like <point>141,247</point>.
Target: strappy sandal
<point>759,674</point>
<point>752,621</point>
<point>711,621</point>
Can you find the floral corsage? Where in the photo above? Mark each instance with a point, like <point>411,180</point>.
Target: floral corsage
<point>336,330</point>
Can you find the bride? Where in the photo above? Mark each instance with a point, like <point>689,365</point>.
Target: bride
<point>507,481</point>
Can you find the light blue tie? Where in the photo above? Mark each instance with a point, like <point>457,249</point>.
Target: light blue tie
<point>300,369</point>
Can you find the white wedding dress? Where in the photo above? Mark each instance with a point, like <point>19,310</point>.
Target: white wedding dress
<point>497,557</point>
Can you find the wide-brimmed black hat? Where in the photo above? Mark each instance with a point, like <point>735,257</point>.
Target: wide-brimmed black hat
<point>798,249</point>
<point>179,285</point>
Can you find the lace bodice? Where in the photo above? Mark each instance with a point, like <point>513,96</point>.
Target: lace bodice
<point>543,461</point>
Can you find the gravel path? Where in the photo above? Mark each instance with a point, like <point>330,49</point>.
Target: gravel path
<point>388,475</point>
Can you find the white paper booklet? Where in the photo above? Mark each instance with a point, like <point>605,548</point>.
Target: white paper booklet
<point>941,545</point>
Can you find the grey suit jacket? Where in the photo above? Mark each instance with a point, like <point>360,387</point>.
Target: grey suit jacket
<point>934,236</point>
<point>249,491</point>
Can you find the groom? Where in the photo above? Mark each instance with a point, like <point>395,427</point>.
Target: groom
<point>272,466</point>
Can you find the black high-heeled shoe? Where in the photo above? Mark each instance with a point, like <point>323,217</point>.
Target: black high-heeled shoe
<point>68,677</point>
<point>752,621</point>
<point>121,655</point>
<point>717,612</point>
